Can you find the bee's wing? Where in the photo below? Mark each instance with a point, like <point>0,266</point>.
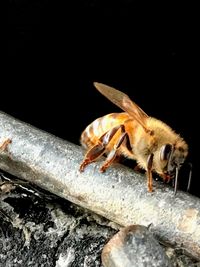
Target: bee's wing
<point>124,102</point>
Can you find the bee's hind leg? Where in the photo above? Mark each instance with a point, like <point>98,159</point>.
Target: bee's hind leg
<point>113,153</point>
<point>99,149</point>
<point>95,152</point>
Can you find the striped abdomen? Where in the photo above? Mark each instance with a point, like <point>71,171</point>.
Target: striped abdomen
<point>100,126</point>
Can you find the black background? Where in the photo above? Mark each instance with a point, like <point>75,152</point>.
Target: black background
<point>148,50</point>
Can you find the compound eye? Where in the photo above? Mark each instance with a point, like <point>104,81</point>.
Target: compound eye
<point>165,152</point>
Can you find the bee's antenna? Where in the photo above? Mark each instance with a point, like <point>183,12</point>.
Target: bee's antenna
<point>176,181</point>
<point>190,176</point>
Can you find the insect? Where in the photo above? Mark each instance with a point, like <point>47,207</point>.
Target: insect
<point>149,141</point>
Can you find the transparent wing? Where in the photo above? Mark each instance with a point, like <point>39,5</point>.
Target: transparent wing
<point>124,102</point>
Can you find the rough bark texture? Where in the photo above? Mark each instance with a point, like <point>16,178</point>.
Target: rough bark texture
<point>39,229</point>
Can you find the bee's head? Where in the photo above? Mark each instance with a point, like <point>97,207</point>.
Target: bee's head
<point>172,157</point>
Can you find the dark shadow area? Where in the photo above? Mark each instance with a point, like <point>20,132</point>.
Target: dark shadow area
<point>56,51</point>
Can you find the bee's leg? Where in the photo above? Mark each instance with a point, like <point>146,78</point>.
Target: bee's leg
<point>137,168</point>
<point>149,172</point>
<point>190,177</point>
<point>4,145</point>
<point>97,150</point>
<point>111,156</point>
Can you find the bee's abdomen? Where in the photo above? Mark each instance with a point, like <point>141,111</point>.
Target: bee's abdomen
<point>87,136</point>
<point>97,128</point>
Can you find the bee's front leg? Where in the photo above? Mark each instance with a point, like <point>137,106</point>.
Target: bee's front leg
<point>149,172</point>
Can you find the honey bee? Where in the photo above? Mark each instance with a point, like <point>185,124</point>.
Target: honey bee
<point>149,141</point>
